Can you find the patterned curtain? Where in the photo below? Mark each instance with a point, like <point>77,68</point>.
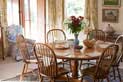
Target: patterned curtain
<point>91,13</point>
<point>55,13</point>
<point>3,20</point>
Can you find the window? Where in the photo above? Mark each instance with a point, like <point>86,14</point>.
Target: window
<point>74,8</point>
<point>30,14</point>
<point>33,19</point>
<point>12,12</point>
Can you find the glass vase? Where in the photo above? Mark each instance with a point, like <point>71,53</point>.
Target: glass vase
<point>76,40</point>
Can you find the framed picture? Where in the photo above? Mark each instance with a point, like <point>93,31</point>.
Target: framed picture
<point>110,15</point>
<point>111,2</point>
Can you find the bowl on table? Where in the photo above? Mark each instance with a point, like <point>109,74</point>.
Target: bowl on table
<point>61,44</point>
<point>89,43</point>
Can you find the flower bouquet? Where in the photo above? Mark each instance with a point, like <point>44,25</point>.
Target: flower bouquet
<point>75,25</point>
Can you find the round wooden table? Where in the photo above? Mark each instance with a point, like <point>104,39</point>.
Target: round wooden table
<point>84,54</point>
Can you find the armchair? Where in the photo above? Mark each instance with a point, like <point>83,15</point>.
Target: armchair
<point>13,31</point>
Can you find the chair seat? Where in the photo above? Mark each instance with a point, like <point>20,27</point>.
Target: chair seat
<point>63,61</point>
<point>59,60</point>
<point>91,72</point>
<point>60,71</point>
<point>32,60</point>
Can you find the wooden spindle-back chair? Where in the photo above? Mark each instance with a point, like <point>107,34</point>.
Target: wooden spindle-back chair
<point>48,63</point>
<point>56,35</point>
<point>101,70</point>
<point>27,57</point>
<point>115,66</point>
<point>97,35</point>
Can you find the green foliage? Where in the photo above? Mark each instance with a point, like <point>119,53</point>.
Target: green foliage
<point>76,29</point>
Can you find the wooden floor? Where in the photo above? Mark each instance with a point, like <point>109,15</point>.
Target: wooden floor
<point>72,80</point>
<point>75,80</point>
<point>16,68</point>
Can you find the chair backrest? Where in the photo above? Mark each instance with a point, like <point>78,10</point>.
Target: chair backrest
<point>47,61</point>
<point>97,35</point>
<point>22,46</point>
<point>119,42</point>
<point>106,59</point>
<point>55,34</point>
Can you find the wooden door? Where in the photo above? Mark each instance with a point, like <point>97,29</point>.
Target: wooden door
<point>1,42</point>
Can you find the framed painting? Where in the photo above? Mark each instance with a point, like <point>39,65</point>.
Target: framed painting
<point>111,2</point>
<point>110,15</point>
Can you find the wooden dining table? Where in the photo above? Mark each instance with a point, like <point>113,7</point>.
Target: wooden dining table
<point>74,55</point>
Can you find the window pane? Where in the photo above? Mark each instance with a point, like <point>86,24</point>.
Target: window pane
<point>74,7</point>
<point>12,12</point>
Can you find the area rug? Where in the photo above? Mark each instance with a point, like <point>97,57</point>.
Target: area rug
<point>32,77</point>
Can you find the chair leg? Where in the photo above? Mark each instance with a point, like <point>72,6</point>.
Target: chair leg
<point>41,78</point>
<point>68,80</point>
<point>107,79</point>
<point>52,80</point>
<point>122,59</point>
<point>88,63</point>
<point>80,64</point>
<point>70,66</point>
<point>94,80</point>
<point>101,80</point>
<point>119,74</point>
<point>26,68</point>
<point>63,62</point>
<point>23,71</point>
<point>98,80</point>
<point>113,68</point>
<point>82,79</point>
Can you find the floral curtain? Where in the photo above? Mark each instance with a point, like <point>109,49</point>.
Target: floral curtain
<point>91,13</point>
<point>55,13</point>
<point>3,21</point>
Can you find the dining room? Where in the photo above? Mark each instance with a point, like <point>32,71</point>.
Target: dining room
<point>61,40</point>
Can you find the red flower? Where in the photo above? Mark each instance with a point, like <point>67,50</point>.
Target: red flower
<point>81,18</point>
<point>76,22</point>
<point>73,17</point>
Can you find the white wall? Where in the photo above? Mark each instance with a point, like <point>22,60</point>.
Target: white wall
<point>118,27</point>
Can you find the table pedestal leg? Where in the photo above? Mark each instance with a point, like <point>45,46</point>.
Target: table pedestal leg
<point>74,68</point>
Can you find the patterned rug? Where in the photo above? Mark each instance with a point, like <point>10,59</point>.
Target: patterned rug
<point>33,78</point>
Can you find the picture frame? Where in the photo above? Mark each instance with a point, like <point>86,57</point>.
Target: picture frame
<point>110,15</point>
<point>111,2</point>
